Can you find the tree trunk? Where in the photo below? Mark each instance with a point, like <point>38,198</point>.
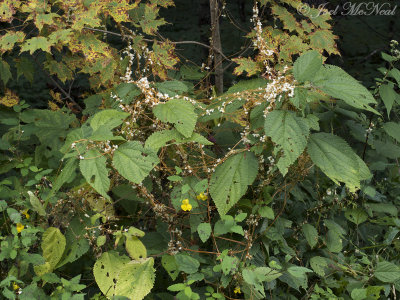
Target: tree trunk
<point>216,44</point>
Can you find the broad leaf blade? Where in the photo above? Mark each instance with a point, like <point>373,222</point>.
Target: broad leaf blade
<point>93,168</point>
<point>336,159</point>
<point>307,65</point>
<point>178,112</point>
<point>133,162</point>
<point>338,84</point>
<point>231,179</point>
<point>290,133</point>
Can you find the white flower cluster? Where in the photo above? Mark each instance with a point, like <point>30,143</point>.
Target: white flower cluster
<point>259,42</point>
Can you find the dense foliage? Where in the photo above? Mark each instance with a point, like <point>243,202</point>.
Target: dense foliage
<point>149,182</point>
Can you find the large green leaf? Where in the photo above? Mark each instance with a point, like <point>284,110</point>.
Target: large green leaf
<point>187,263</point>
<point>336,159</point>
<point>204,231</point>
<point>133,162</point>
<point>311,234</point>
<point>307,65</point>
<point>76,243</point>
<point>136,279</point>
<point>36,204</point>
<point>170,265</point>
<point>118,276</point>
<point>49,126</point>
<point>160,138</point>
<point>290,133</point>
<point>5,73</point>
<point>53,245</point>
<point>318,264</point>
<point>135,248</point>
<point>178,112</point>
<point>387,272</point>
<point>67,173</point>
<point>108,118</point>
<point>392,129</point>
<point>93,168</point>
<point>388,95</point>
<point>338,84</point>
<point>231,179</point>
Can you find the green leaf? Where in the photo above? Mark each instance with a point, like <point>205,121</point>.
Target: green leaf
<point>36,204</point>
<point>187,263</point>
<point>246,64</point>
<point>359,294</point>
<point>135,248</point>
<point>66,174</point>
<point>160,138</point>
<point>172,87</point>
<point>388,95</point>
<point>53,245</point>
<point>101,240</point>
<point>318,264</point>
<point>93,168</point>
<point>297,271</point>
<point>36,43</point>
<point>387,272</point>
<point>266,212</point>
<point>179,112</point>
<point>231,179</point>
<point>395,73</point>
<point>257,276</point>
<point>204,231</point>
<point>76,244</point>
<point>108,118</point>
<point>229,265</point>
<point>338,84</point>
<point>133,162</point>
<point>244,85</point>
<point>393,130</point>
<point>5,73</point>
<point>307,65</point>
<point>336,159</point>
<point>117,276</point>
<point>334,241</point>
<point>290,133</point>
<point>311,234</point>
<point>176,287</point>
<point>357,215</point>
<point>170,265</point>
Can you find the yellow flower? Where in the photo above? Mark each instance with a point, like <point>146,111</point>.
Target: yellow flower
<point>15,286</point>
<point>186,206</point>
<point>201,196</point>
<point>20,227</point>
<point>25,212</point>
<point>237,290</point>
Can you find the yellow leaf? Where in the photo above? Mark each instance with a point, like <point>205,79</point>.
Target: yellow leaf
<point>9,99</point>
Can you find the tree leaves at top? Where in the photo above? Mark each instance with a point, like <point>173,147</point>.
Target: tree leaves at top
<point>337,160</point>
<point>179,112</point>
<point>230,180</point>
<point>290,133</point>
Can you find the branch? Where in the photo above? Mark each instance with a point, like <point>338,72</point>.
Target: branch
<point>148,40</point>
<point>64,92</point>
